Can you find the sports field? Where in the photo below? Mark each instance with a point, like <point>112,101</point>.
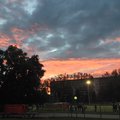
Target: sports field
<point>55,119</point>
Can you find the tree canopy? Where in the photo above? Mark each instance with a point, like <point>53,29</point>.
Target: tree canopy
<point>19,76</point>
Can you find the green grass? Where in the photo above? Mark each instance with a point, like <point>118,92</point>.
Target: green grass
<point>90,109</point>
<point>52,118</point>
<point>104,108</point>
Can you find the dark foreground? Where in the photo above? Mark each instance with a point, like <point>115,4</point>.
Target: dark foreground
<point>60,116</point>
<point>56,118</point>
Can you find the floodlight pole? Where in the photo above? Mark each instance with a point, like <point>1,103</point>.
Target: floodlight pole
<point>88,82</point>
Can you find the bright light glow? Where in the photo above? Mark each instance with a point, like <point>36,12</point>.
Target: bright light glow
<point>49,93</point>
<point>75,97</point>
<point>88,82</point>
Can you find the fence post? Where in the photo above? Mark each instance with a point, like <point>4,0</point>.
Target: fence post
<point>100,111</point>
<point>119,109</point>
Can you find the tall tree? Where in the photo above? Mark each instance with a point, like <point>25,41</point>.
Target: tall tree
<point>19,76</point>
<point>114,73</point>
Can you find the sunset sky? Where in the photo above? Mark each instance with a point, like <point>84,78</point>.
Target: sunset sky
<point>68,35</point>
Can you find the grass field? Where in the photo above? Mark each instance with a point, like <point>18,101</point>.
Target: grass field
<point>55,119</point>
<point>105,109</point>
<point>102,108</point>
<point>90,109</point>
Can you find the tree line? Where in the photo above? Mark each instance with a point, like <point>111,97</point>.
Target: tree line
<point>74,76</point>
<point>114,73</point>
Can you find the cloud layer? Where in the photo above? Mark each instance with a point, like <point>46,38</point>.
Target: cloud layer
<point>62,29</point>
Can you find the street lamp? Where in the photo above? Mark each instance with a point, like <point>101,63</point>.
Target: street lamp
<point>88,82</point>
<point>75,100</point>
<point>75,97</point>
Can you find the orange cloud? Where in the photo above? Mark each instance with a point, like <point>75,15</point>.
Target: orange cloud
<point>4,40</point>
<point>93,66</point>
<point>117,39</point>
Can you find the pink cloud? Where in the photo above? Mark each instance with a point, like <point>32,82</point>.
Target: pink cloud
<point>4,40</point>
<point>19,35</point>
<point>93,66</point>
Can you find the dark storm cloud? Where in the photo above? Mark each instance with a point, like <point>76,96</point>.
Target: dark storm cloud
<point>75,28</point>
<point>86,23</point>
<point>14,14</point>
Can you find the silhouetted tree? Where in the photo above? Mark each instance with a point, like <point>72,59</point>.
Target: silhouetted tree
<point>106,74</point>
<point>114,73</point>
<point>19,76</point>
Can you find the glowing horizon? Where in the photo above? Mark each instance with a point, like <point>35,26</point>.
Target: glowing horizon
<point>96,67</point>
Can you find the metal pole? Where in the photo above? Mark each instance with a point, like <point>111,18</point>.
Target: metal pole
<point>100,111</point>
<point>88,95</point>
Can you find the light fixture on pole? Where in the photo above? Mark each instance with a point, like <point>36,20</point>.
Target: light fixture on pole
<point>88,82</point>
<point>75,97</point>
